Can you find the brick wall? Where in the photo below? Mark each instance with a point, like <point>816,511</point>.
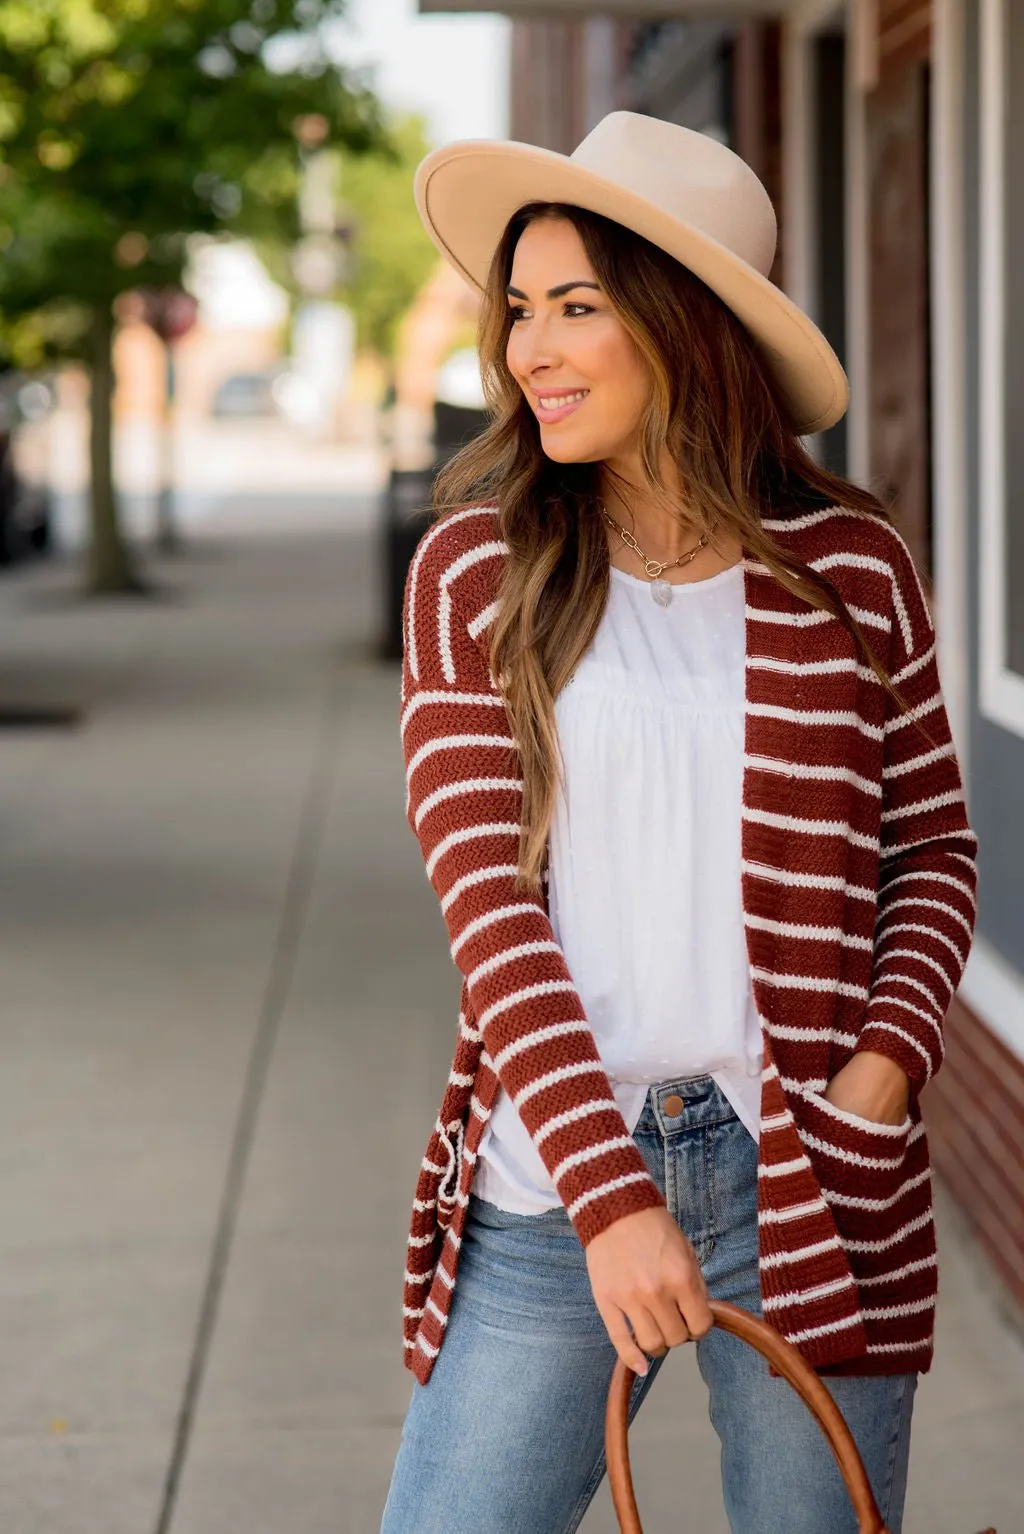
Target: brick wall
<point>974,1111</point>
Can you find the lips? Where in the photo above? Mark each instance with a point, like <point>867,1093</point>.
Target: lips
<point>547,413</point>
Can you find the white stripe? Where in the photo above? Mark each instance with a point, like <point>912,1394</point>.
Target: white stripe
<point>850,1201</point>
<point>934,878</point>
<point>478,876</point>
<point>453,743</point>
<point>516,999</point>
<point>468,834</point>
<point>508,955</point>
<point>444,615</point>
<point>900,1347</point>
<point>820,774</point>
<point>879,994</point>
<point>888,928</point>
<point>590,1154</point>
<point>907,1038</point>
<point>799,1034</point>
<point>808,933</point>
<point>922,806</point>
<point>785,1168</point>
<point>815,616</point>
<point>917,903</point>
<point>901,720</point>
<point>463,786</point>
<point>830,718</point>
<point>918,958</point>
<point>840,665</point>
<point>892,1274</point>
<point>573,1116</point>
<point>814,1206</point>
<point>808,881</point>
<point>807,1296</point>
<point>811,827</point>
<point>809,619</point>
<point>428,1348</point>
<point>483,619</point>
<point>604,1190</point>
<point>801,1254</point>
<point>913,667</point>
<point>897,1236</point>
<point>913,763</point>
<point>422,699</point>
<point>503,913</point>
<point>895,1312</point>
<point>538,1036</point>
<point>552,1078</point>
<point>879,1163</point>
<point>902,616</point>
<point>421,548</point>
<point>829,985</point>
<point>823,1331</point>
<point>812,518</point>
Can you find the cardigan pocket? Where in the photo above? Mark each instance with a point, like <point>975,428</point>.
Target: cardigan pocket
<point>859,1164</point>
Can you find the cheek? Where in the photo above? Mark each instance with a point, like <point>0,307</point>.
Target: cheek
<point>623,381</point>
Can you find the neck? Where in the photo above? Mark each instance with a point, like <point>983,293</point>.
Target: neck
<point>664,530</point>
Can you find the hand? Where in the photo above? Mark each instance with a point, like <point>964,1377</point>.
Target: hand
<point>873,1087</point>
<point>644,1272</point>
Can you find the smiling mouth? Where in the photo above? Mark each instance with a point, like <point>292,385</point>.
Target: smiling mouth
<point>555,407</point>
<point>556,401</point>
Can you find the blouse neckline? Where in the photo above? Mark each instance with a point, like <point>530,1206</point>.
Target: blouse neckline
<point>708,583</point>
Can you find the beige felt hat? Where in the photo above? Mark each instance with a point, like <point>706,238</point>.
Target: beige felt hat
<point>683,191</point>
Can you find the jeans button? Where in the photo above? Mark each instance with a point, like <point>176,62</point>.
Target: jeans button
<point>673,1105</point>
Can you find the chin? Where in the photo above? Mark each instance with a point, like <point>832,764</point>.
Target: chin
<point>565,450</point>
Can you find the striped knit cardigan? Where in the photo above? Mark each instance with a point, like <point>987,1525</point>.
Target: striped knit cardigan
<point>858,895</point>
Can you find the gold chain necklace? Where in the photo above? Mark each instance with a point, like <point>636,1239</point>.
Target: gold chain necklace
<point>661,590</point>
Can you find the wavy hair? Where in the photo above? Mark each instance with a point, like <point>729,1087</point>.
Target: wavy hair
<point>711,402</point>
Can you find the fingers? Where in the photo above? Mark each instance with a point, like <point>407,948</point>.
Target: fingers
<point>622,1340</point>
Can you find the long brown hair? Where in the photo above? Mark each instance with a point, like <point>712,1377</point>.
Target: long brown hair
<point>711,402</point>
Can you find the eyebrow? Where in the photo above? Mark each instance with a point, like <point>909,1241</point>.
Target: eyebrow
<point>562,288</point>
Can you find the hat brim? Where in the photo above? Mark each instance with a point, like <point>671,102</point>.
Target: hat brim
<point>466,192</point>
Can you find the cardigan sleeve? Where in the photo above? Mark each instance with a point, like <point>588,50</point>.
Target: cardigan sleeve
<point>464,795</point>
<point>927,883</point>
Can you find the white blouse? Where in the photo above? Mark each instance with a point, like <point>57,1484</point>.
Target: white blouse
<point>644,863</point>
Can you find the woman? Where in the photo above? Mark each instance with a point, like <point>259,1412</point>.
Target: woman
<point>703,859</point>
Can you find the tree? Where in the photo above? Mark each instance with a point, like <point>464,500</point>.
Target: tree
<point>125,127</point>
<point>393,255</point>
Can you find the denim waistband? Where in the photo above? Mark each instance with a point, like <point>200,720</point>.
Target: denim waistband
<point>703,1103</point>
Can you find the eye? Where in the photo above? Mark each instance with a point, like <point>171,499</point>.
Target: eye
<point>516,311</point>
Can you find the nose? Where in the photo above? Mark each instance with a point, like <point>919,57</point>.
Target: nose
<point>533,347</point>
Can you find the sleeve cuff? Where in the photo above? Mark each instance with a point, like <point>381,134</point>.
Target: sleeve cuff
<point>884,1036</point>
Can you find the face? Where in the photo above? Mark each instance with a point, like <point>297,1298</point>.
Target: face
<point>571,355</point>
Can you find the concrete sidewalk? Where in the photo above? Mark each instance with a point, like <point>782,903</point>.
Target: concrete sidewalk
<point>228,1013</point>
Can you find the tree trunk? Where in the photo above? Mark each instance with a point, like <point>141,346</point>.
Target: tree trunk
<point>110,564</point>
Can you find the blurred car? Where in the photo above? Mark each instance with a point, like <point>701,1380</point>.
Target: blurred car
<point>246,395</point>
<point>275,392</point>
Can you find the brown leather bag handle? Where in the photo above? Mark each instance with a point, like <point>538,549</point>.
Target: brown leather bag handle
<point>783,1357</point>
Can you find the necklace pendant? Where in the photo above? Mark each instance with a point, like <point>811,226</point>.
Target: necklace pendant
<point>661,591</point>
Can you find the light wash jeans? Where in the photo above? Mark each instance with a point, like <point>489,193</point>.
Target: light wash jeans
<point>507,1436</point>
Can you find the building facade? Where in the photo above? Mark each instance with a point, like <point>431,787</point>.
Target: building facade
<point>887,133</point>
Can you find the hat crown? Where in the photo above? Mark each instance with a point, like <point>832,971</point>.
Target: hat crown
<point>689,175</point>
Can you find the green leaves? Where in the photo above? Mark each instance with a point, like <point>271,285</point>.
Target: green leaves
<point>126,125</point>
